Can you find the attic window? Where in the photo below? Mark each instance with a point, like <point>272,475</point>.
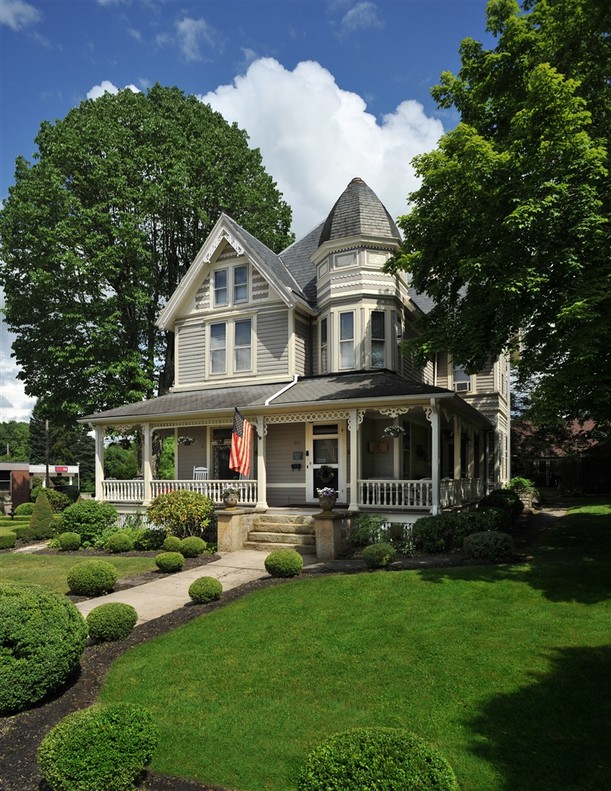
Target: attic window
<point>462,380</point>
<point>220,287</point>
<point>240,284</point>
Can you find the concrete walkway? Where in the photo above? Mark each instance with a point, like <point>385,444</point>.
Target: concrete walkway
<point>154,599</point>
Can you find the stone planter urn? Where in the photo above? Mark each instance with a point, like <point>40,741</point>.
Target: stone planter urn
<point>230,498</point>
<point>327,502</point>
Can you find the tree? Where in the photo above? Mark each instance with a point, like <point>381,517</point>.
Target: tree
<point>98,231</point>
<point>509,231</point>
<point>67,445</point>
<point>14,441</point>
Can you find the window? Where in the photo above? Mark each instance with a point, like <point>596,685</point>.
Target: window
<point>324,348</point>
<point>218,348</point>
<point>242,346</point>
<point>462,380</point>
<point>220,287</point>
<point>346,340</point>
<point>378,339</point>
<point>240,284</point>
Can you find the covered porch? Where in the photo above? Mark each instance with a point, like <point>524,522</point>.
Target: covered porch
<point>416,454</point>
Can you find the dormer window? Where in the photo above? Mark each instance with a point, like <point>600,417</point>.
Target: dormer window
<point>346,340</point>
<point>240,284</point>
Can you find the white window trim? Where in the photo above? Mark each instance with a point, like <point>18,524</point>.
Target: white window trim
<point>370,339</point>
<point>353,367</point>
<point>230,279</point>
<point>230,347</point>
<point>328,368</point>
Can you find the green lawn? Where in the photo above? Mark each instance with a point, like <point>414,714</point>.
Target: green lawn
<point>506,669</point>
<point>51,570</point>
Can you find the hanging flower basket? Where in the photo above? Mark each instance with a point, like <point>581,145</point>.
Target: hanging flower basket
<point>393,431</point>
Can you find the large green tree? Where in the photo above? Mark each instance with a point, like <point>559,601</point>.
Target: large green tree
<point>14,441</point>
<point>509,231</point>
<point>97,232</point>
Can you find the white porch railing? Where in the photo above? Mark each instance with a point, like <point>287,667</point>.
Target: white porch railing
<point>395,494</point>
<point>461,490</point>
<point>133,491</point>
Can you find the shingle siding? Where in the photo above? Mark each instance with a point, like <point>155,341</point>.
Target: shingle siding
<point>191,351</point>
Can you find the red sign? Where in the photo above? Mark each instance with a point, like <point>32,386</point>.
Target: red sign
<point>61,469</point>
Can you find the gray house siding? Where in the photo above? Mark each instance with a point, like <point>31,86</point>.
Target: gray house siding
<point>272,342</point>
<point>191,351</point>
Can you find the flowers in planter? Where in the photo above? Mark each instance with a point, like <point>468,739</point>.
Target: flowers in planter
<point>326,491</point>
<point>230,491</point>
<point>185,440</point>
<point>393,431</point>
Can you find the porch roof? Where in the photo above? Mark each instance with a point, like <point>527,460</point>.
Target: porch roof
<point>362,388</point>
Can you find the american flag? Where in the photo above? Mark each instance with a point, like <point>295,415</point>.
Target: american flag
<point>241,442</point>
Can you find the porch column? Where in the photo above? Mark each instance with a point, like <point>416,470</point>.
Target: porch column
<point>483,472</point>
<point>99,462</point>
<point>147,464</point>
<point>457,446</point>
<point>471,452</point>
<point>433,416</point>
<point>261,469</point>
<point>353,428</point>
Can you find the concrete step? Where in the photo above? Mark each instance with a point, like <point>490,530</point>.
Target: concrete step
<point>264,526</point>
<point>264,546</point>
<point>283,519</point>
<point>282,538</point>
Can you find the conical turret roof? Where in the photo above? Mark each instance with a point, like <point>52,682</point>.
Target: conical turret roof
<point>358,212</point>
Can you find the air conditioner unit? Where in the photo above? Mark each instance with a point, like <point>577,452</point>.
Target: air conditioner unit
<point>462,387</point>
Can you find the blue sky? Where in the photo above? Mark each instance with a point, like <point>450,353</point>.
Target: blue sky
<point>327,90</point>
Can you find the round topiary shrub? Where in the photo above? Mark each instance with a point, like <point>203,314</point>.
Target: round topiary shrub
<point>8,538</point>
<point>150,537</point>
<point>68,542</point>
<point>89,518</point>
<point>192,546</point>
<point>102,748</point>
<point>490,545</point>
<point>112,621</point>
<point>377,556</point>
<point>380,758</point>
<point>25,509</point>
<point>92,578</point>
<point>171,544</point>
<point>170,561</point>
<point>42,636</point>
<point>284,563</point>
<point>120,542</point>
<point>205,589</point>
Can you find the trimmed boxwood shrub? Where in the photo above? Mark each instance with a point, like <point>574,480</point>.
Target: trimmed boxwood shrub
<point>192,546</point>
<point>377,556</point>
<point>8,538</point>
<point>20,530</point>
<point>506,499</point>
<point>69,542</point>
<point>58,500</point>
<point>148,538</point>
<point>205,589</point>
<point>89,518</point>
<point>490,545</point>
<point>169,561</point>
<point>42,519</point>
<point>172,544</point>
<point>182,513</point>
<point>92,578</point>
<point>112,621</point>
<point>284,563</point>
<point>102,748</point>
<point>25,509</point>
<point>382,758</point>
<point>491,518</point>
<point>42,636</point>
<point>120,542</point>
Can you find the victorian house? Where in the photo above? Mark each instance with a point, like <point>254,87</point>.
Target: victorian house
<point>306,344</point>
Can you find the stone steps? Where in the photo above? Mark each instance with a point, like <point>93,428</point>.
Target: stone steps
<point>282,531</point>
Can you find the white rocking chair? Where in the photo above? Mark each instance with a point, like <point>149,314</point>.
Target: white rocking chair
<point>200,473</point>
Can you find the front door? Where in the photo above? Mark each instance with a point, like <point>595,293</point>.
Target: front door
<point>323,456</point>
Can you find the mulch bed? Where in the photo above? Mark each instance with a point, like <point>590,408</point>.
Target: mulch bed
<point>21,734</point>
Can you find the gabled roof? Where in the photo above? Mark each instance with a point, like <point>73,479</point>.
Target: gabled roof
<point>266,261</point>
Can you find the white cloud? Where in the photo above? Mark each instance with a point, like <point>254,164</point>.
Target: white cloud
<point>108,87</point>
<point>14,404</point>
<point>315,137</point>
<point>18,14</point>
<point>190,34</point>
<point>362,16</point>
